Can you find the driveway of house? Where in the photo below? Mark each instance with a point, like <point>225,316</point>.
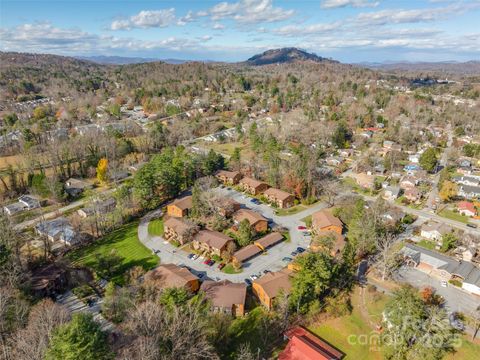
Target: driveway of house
<point>270,260</point>
<point>456,299</point>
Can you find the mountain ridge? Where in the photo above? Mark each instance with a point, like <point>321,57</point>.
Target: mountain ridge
<point>284,55</point>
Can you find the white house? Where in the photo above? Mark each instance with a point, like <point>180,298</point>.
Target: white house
<point>434,231</point>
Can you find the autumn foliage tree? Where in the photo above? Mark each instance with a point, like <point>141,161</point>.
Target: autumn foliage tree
<point>102,168</point>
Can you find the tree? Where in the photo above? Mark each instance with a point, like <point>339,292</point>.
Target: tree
<point>32,341</point>
<point>312,280</point>
<point>39,113</point>
<point>172,297</point>
<point>448,191</point>
<point>341,135</point>
<point>10,119</point>
<point>107,265</point>
<point>414,329</point>
<point>245,233</point>
<point>449,241</point>
<point>116,302</point>
<point>387,259</point>
<point>102,169</point>
<point>80,339</point>
<point>428,160</point>
<point>236,158</point>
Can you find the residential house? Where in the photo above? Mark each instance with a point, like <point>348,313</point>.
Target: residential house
<point>393,216</point>
<point>466,208</point>
<point>414,158</point>
<point>212,242</point>
<point>14,208</point>
<point>58,229</point>
<point>179,230</point>
<point>469,192</point>
<point>365,181</point>
<point>391,193</point>
<point>228,177</point>
<point>470,180</point>
<point>252,186</point>
<point>256,221</point>
<point>412,194</point>
<point>89,129</point>
<point>335,160</point>
<point>408,182</point>
<point>226,297</point>
<point>434,230</point>
<point>280,198</point>
<point>269,240</point>
<point>246,253</point>
<point>180,207</point>
<point>48,280</point>
<point>30,202</point>
<point>270,285</point>
<point>171,275</point>
<point>443,267</point>
<point>303,345</point>
<point>98,207</point>
<point>74,187</point>
<point>323,220</point>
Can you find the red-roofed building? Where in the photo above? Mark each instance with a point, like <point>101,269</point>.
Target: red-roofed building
<point>466,208</point>
<point>303,345</point>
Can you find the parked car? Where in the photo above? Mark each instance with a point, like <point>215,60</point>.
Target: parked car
<point>221,266</point>
<point>456,322</point>
<point>200,275</point>
<point>266,271</point>
<point>301,227</point>
<point>300,250</point>
<point>190,256</point>
<point>253,277</point>
<point>195,257</point>
<point>156,251</point>
<point>287,259</point>
<point>211,262</point>
<point>294,253</point>
<point>472,225</point>
<point>248,282</point>
<point>444,283</point>
<point>206,261</point>
<point>255,201</point>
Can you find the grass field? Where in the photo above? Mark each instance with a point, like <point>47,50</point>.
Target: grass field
<point>290,211</point>
<point>155,227</point>
<point>430,245</point>
<point>449,214</point>
<point>229,269</point>
<point>125,242</point>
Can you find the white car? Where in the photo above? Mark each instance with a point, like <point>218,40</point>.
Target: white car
<point>253,277</point>
<point>195,257</point>
<point>444,283</point>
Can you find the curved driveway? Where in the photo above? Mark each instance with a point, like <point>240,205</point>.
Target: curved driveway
<point>271,260</point>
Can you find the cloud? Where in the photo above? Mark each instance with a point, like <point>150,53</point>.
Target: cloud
<point>218,26</point>
<point>249,11</point>
<point>296,30</point>
<point>333,4</point>
<point>149,19</point>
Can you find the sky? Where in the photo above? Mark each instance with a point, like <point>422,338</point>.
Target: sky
<point>350,31</point>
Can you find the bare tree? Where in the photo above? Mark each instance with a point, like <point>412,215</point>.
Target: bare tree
<point>387,257</point>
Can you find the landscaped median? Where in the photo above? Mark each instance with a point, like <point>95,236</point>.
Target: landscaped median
<point>155,227</point>
<point>123,244</point>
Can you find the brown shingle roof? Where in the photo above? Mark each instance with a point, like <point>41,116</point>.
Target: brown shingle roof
<point>214,239</point>
<point>277,194</point>
<point>273,282</point>
<point>177,225</point>
<point>247,252</point>
<point>251,182</point>
<point>171,275</point>
<point>252,216</point>
<point>183,203</point>
<point>224,293</point>
<point>269,240</point>
<point>227,174</point>
<point>324,218</point>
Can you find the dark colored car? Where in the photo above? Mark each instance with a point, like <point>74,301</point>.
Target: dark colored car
<point>248,282</point>
<point>300,250</point>
<point>301,227</point>
<point>156,251</point>
<point>472,225</point>
<point>287,259</point>
<point>294,253</point>
<point>255,201</point>
<point>211,262</point>
<point>266,271</point>
<point>190,256</point>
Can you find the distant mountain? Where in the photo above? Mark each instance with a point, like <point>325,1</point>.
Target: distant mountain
<point>123,60</point>
<point>284,55</point>
<point>452,67</point>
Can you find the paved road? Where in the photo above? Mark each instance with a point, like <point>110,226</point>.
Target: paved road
<point>271,260</point>
<point>456,299</point>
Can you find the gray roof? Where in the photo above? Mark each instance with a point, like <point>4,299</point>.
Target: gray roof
<point>59,226</point>
<point>468,189</point>
<point>465,269</point>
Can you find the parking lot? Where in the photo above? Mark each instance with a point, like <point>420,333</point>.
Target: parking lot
<point>270,260</point>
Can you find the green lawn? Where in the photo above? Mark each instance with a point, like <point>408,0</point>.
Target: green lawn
<point>452,215</point>
<point>290,211</point>
<point>467,351</point>
<point>430,245</point>
<point>155,227</point>
<point>229,269</point>
<point>125,242</point>
<point>307,220</point>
